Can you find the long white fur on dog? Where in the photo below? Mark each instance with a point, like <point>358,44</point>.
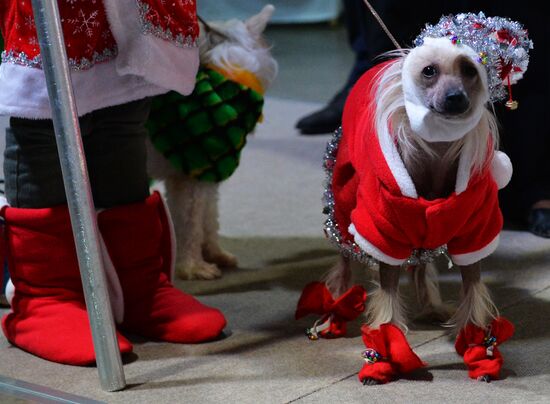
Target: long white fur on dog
<point>416,126</point>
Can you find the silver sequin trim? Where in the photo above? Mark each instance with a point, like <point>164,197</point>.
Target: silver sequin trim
<point>20,58</point>
<point>183,41</point>
<point>349,248</point>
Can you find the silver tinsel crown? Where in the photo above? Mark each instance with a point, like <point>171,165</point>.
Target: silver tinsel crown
<point>502,45</point>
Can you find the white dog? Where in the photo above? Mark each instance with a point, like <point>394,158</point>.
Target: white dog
<point>194,204</point>
<point>416,169</point>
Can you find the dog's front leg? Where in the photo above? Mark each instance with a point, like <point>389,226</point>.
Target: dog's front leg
<point>480,328</point>
<point>476,306</point>
<point>384,303</point>
<point>388,354</point>
<point>211,249</point>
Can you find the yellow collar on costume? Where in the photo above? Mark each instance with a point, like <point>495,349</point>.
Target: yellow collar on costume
<point>241,76</point>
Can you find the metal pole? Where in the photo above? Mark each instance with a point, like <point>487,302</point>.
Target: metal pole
<point>79,196</point>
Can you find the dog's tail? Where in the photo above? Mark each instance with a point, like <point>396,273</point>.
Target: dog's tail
<point>338,278</point>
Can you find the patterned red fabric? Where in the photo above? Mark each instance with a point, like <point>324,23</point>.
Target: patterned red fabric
<point>85,28</point>
<point>367,194</point>
<point>136,239</point>
<point>396,356</point>
<point>176,16</point>
<point>87,32</point>
<point>471,344</point>
<point>48,316</point>
<point>316,299</point>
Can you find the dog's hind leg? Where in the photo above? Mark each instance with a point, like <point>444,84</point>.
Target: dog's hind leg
<point>211,249</point>
<point>338,278</point>
<point>186,203</point>
<point>426,285</point>
<point>480,329</point>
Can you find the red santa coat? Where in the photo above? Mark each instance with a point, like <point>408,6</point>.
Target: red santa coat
<point>119,51</point>
<point>376,205</point>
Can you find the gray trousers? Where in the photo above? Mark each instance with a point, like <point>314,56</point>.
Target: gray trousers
<point>114,143</point>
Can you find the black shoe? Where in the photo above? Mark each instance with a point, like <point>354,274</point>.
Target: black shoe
<point>326,120</point>
<point>538,222</point>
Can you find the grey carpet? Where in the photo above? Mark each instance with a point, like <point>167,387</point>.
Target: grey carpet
<point>270,217</point>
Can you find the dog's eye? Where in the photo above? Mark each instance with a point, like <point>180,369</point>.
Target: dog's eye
<point>468,70</point>
<point>429,71</point>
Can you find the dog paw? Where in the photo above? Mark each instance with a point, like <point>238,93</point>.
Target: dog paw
<point>484,378</point>
<point>221,258</point>
<point>370,382</point>
<point>197,270</point>
<point>435,314</point>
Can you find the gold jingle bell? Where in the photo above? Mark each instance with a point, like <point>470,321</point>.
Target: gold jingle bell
<point>512,105</point>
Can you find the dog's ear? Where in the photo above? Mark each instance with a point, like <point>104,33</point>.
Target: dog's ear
<point>257,23</point>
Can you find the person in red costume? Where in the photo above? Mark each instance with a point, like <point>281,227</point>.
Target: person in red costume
<point>121,52</point>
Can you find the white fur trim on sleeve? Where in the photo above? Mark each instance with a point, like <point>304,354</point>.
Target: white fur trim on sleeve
<point>157,60</point>
<point>473,257</point>
<point>371,249</point>
<point>501,169</point>
<point>23,91</point>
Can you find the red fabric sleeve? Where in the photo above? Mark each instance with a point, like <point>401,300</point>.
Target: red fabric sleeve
<point>485,222</point>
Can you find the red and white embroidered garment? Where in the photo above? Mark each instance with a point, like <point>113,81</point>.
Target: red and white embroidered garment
<point>119,51</point>
<point>376,206</point>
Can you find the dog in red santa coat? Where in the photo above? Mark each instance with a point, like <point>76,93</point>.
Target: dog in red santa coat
<point>414,173</point>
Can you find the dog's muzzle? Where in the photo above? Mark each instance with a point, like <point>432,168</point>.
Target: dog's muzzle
<point>456,102</point>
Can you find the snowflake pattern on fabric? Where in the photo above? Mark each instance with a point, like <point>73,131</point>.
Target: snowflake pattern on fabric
<point>172,20</point>
<point>88,37</point>
<point>86,30</point>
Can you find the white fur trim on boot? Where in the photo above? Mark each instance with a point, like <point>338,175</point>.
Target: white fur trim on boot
<point>113,284</point>
<point>172,231</point>
<point>10,291</point>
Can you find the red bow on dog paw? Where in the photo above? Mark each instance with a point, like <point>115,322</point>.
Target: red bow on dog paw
<point>316,299</point>
<point>388,354</point>
<point>479,347</point>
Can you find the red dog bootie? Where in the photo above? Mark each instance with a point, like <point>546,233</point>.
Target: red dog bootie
<point>479,347</point>
<point>139,241</point>
<point>388,354</point>
<point>48,316</point>
<point>316,299</point>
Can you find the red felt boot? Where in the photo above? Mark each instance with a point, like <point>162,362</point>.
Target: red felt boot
<point>316,299</point>
<point>139,241</point>
<point>48,317</point>
<point>387,356</point>
<point>479,347</point>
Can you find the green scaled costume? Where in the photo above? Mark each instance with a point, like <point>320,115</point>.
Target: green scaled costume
<point>202,134</point>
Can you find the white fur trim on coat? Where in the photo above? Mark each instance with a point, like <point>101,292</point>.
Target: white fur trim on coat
<point>370,249</point>
<point>431,126</point>
<point>23,91</point>
<point>501,169</point>
<point>473,257</point>
<point>157,60</point>
<point>402,176</point>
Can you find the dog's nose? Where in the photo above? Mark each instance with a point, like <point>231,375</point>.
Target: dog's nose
<point>456,102</point>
